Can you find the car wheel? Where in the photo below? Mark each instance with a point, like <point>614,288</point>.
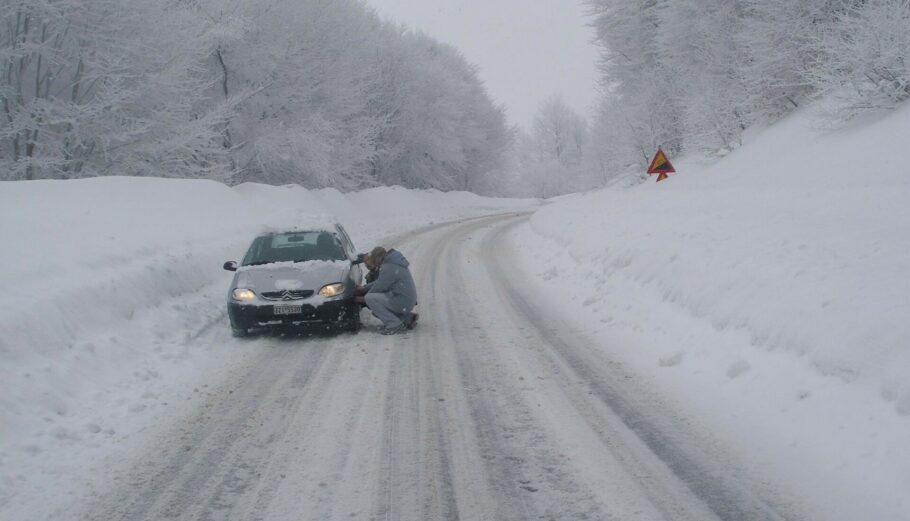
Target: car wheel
<point>239,332</point>
<point>353,324</point>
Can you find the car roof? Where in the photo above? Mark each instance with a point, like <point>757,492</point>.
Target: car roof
<point>303,223</point>
<point>281,231</point>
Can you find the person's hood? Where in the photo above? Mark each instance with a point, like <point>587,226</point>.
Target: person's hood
<point>395,257</point>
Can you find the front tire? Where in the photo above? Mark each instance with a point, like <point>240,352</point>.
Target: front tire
<point>353,324</point>
<point>239,332</point>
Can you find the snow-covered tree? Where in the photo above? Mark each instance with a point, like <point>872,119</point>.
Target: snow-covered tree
<point>699,50</point>
<point>82,94</point>
<point>780,40</point>
<point>864,57</point>
<point>560,132</point>
<point>316,92</point>
<point>442,131</point>
<point>549,161</point>
<point>636,80</point>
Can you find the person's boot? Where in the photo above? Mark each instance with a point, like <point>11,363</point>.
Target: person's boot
<point>392,330</point>
<point>413,321</point>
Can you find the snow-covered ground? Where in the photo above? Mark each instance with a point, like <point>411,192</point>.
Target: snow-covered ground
<point>769,291</point>
<point>108,281</point>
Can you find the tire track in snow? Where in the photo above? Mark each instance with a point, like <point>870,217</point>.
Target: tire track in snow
<point>430,470</point>
<point>189,472</point>
<point>647,438</point>
<point>529,479</point>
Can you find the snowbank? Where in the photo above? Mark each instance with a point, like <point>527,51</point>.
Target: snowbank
<point>770,290</point>
<point>107,281</point>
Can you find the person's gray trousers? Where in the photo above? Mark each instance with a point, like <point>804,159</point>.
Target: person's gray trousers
<point>379,305</point>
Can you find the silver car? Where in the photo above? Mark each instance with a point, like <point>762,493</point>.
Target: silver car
<point>296,277</point>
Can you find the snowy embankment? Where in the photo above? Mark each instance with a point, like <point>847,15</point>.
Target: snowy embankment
<point>768,291</point>
<point>107,281</point>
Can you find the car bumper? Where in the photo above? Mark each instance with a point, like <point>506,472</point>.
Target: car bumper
<point>248,316</point>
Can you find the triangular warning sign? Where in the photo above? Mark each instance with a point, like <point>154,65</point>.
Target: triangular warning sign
<point>661,176</point>
<point>660,164</point>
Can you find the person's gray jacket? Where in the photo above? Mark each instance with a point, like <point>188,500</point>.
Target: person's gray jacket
<point>396,281</point>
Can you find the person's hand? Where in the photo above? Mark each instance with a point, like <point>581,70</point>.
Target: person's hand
<point>360,300</point>
<point>359,291</point>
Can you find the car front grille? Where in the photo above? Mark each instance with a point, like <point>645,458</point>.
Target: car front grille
<point>287,294</point>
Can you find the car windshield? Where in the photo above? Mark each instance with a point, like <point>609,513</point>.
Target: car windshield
<point>294,247</point>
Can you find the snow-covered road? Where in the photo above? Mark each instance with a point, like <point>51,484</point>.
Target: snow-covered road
<point>489,410</point>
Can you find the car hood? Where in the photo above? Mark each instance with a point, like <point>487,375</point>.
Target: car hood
<point>279,276</point>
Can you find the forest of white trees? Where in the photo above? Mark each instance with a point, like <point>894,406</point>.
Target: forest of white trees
<point>550,159</point>
<point>315,92</point>
<point>692,75</point>
<point>323,93</point>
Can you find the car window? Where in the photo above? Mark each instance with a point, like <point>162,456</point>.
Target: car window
<point>346,240</point>
<point>294,247</point>
<point>294,240</point>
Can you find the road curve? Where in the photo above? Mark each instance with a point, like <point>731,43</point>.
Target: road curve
<point>490,410</point>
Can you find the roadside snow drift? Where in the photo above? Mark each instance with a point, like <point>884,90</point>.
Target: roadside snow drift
<point>769,290</point>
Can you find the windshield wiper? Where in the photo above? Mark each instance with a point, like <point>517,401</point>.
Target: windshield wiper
<point>258,263</point>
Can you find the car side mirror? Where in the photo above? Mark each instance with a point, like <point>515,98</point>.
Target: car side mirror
<point>230,265</point>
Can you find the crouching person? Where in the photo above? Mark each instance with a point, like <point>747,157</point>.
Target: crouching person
<point>392,296</point>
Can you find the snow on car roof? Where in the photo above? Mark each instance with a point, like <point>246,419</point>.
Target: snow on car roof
<point>301,222</point>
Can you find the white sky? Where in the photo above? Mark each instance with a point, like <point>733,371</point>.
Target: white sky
<point>526,50</point>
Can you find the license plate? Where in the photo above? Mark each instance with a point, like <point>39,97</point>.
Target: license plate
<point>287,310</point>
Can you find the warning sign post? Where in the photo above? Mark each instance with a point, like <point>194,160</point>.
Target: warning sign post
<point>661,166</point>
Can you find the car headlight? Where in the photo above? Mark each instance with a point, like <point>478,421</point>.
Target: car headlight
<point>242,294</point>
<point>332,290</point>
